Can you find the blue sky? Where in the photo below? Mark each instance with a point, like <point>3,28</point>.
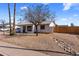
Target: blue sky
<point>66,13</point>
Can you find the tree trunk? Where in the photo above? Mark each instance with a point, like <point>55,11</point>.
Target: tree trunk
<point>14,19</point>
<point>9,17</point>
<point>36,30</point>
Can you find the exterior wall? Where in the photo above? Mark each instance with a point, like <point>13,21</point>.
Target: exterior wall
<point>66,29</point>
<point>46,30</point>
<point>21,27</point>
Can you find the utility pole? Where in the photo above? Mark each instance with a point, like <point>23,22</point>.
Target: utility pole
<point>14,18</point>
<point>9,17</point>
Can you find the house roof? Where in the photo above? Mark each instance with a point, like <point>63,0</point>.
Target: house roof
<point>29,23</point>
<point>24,23</point>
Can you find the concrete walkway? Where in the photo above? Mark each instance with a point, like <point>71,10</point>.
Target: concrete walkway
<point>6,50</point>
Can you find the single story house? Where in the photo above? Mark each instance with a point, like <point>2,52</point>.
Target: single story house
<point>27,27</point>
<point>0,25</point>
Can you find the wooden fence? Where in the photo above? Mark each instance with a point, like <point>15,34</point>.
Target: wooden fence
<point>66,29</point>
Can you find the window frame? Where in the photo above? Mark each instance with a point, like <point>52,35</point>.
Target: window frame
<point>42,27</point>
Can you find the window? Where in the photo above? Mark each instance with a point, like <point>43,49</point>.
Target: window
<point>29,28</point>
<point>42,27</point>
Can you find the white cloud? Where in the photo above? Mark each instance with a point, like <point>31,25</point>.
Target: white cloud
<point>45,3</point>
<point>64,19</point>
<point>67,6</point>
<point>75,15</point>
<point>24,8</point>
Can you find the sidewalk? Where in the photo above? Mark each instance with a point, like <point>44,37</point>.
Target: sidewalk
<point>6,51</point>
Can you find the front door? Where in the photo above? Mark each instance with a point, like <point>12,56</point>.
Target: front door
<point>24,29</point>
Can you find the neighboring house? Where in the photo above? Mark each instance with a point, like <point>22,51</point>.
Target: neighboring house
<point>27,27</point>
<point>0,25</point>
<point>7,27</point>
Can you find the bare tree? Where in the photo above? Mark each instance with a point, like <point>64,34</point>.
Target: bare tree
<point>37,15</point>
<point>3,23</point>
<point>9,17</point>
<point>72,24</point>
<point>20,20</point>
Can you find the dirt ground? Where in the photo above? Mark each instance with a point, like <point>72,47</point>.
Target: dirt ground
<point>71,39</point>
<point>42,42</point>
